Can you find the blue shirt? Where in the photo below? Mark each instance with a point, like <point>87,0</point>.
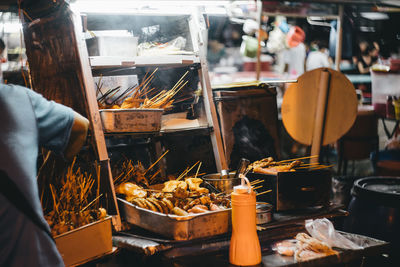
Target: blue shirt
<point>28,121</point>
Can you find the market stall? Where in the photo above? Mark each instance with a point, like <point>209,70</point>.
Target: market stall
<point>169,174</point>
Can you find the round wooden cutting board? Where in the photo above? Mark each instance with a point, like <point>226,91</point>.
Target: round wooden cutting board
<point>300,102</point>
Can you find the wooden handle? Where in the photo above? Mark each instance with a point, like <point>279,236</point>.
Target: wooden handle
<point>318,133</point>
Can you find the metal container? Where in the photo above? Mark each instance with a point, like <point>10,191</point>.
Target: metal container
<point>374,209</point>
<point>112,43</point>
<point>263,213</point>
<point>79,245</point>
<point>222,184</point>
<point>295,190</point>
<point>131,120</point>
<point>177,227</point>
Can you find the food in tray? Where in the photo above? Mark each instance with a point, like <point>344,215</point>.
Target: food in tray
<point>177,197</point>
<point>269,166</point>
<point>272,167</point>
<point>304,248</point>
<point>173,47</point>
<point>141,96</point>
<point>74,204</point>
<point>286,247</point>
<point>310,248</point>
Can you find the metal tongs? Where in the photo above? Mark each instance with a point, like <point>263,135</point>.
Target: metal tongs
<point>242,167</point>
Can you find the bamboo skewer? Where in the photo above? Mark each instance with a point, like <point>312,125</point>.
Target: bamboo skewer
<point>322,167</point>
<point>198,169</point>
<point>257,187</point>
<point>186,171</point>
<point>152,165</point>
<point>256,182</point>
<point>308,157</point>
<point>265,192</point>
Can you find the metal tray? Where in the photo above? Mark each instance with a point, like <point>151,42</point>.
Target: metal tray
<point>131,120</point>
<point>89,241</point>
<point>177,227</point>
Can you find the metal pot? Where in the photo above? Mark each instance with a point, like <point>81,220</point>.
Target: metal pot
<point>263,213</point>
<point>222,184</point>
<point>375,209</point>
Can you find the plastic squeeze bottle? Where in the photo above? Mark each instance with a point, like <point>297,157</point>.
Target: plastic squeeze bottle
<point>245,247</point>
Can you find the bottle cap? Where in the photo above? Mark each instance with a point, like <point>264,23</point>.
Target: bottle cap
<point>244,187</point>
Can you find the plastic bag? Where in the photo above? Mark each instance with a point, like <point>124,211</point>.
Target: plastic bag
<point>323,230</point>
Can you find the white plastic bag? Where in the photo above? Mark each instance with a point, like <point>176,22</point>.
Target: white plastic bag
<point>323,230</point>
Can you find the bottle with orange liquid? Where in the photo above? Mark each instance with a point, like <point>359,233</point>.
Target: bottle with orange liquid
<point>245,247</point>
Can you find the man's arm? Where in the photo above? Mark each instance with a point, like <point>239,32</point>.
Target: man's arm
<point>77,137</point>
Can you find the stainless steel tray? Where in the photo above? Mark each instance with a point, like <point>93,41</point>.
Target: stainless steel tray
<point>177,227</point>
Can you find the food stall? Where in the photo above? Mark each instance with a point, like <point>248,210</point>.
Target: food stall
<point>139,73</point>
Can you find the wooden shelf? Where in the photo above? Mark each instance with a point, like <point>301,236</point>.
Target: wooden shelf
<point>100,62</point>
<point>177,122</point>
<point>172,123</point>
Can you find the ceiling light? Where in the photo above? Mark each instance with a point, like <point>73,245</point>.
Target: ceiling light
<point>374,15</point>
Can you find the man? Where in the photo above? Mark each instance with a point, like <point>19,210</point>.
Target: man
<point>27,121</point>
<point>295,55</point>
<point>318,59</point>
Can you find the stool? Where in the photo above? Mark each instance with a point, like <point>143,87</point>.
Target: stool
<point>360,140</point>
<point>388,168</point>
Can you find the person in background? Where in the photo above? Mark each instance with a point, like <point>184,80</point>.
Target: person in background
<point>215,52</point>
<point>367,59</point>
<point>29,121</point>
<point>318,59</point>
<point>295,56</point>
<point>361,49</point>
<point>2,58</point>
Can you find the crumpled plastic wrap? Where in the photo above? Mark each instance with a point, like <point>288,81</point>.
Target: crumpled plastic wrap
<point>323,230</point>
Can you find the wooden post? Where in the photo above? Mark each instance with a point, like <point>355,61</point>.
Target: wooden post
<point>259,20</point>
<point>196,24</point>
<point>339,38</point>
<point>320,115</point>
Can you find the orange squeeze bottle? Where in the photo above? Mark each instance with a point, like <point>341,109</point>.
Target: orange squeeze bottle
<point>245,247</point>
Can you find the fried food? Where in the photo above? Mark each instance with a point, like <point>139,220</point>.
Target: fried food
<point>214,207</point>
<point>198,209</point>
<point>180,193</point>
<point>194,185</point>
<point>156,204</point>
<point>309,248</point>
<point>131,102</point>
<point>126,188</point>
<point>169,204</point>
<point>178,211</point>
<point>170,186</point>
<point>181,197</point>
<point>271,167</point>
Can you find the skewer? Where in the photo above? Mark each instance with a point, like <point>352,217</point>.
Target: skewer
<point>265,192</point>
<point>152,165</point>
<point>88,205</point>
<point>308,167</point>
<point>198,169</point>
<point>309,164</point>
<point>256,182</point>
<point>186,171</point>
<point>257,187</point>
<point>322,167</point>
<point>308,157</point>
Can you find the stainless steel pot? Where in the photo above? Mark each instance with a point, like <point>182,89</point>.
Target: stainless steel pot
<point>222,184</point>
<point>263,213</point>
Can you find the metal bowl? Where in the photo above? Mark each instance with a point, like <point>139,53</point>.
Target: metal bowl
<point>263,213</point>
<point>222,184</point>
